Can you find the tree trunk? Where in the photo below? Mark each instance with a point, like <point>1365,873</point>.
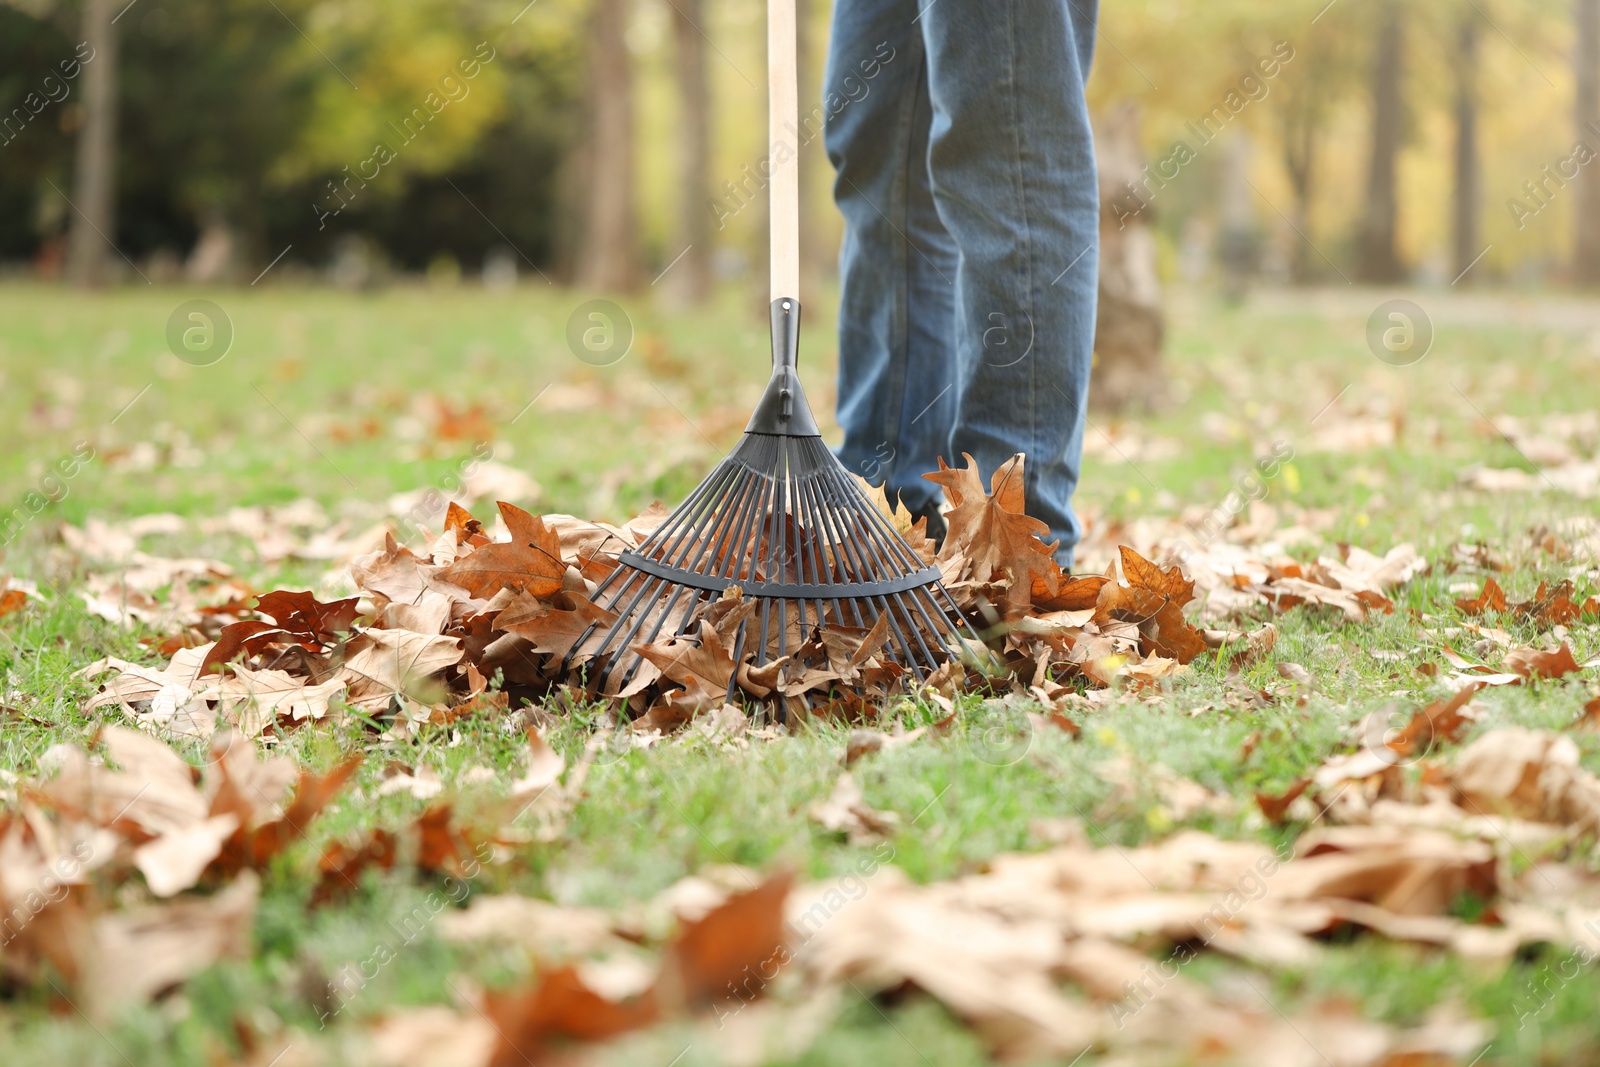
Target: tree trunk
<point>690,280</point>
<point>1302,123</point>
<point>1586,265</point>
<point>1129,324</point>
<point>1379,260</point>
<point>94,177</point>
<point>1466,177</point>
<point>608,256</point>
<point>1240,245</point>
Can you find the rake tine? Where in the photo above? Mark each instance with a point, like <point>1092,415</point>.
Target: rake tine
<point>781,518</point>
<point>622,617</point>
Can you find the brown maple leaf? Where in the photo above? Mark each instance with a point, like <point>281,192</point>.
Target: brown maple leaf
<point>255,846</point>
<point>1439,722</point>
<point>995,534</point>
<point>1154,600</point>
<point>1073,593</point>
<point>530,562</point>
<point>730,953</point>
<point>560,1005</point>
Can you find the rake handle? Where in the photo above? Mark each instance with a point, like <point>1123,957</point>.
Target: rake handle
<point>783,117</point>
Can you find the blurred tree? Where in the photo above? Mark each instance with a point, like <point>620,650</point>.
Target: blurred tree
<point>608,248</point>
<point>1466,200</point>
<point>94,173</point>
<point>1586,109</point>
<point>216,94</point>
<point>34,146</point>
<point>1129,325</point>
<point>1325,69</point>
<point>1379,261</point>
<point>690,281</point>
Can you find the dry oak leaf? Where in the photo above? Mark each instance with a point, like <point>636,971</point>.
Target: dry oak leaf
<point>545,765</point>
<point>271,694</point>
<point>1555,607</point>
<point>561,1005</point>
<point>555,630</point>
<point>1493,598</point>
<point>1532,774</point>
<point>130,956</point>
<point>253,845</point>
<point>390,663</point>
<point>304,616</point>
<point>243,639</point>
<point>530,562</point>
<point>846,811</point>
<point>459,520</point>
<point>152,793</point>
<point>995,534</point>
<point>732,951</point>
<point>395,573</point>
<point>704,668</point>
<point>849,648</point>
<point>1534,663</point>
<point>1275,808</point>
<point>1073,593</point>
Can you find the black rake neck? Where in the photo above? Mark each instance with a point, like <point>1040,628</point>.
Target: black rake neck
<point>783,410</point>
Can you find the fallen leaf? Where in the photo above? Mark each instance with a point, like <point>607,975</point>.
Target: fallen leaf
<point>544,767</point>
<point>1153,599</point>
<point>1493,598</point>
<point>304,616</point>
<point>530,562</point>
<point>555,630</point>
<point>846,811</point>
<point>994,532</point>
<point>396,663</point>
<point>1275,807</point>
<point>731,952</point>
<point>1534,663</point>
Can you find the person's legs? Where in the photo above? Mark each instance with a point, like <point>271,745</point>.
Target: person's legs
<point>1012,162</point>
<point>897,363</point>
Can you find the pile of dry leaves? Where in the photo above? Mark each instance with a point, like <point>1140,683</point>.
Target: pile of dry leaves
<point>473,622</point>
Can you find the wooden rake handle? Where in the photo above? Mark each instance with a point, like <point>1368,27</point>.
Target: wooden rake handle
<point>783,118</point>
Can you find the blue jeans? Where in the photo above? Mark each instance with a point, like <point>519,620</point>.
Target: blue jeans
<point>965,172</point>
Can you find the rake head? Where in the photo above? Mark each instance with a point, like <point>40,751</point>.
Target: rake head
<point>781,519</point>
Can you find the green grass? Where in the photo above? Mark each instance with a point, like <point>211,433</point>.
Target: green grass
<point>317,398</point>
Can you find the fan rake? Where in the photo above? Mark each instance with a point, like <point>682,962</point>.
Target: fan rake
<point>783,521</point>
<point>779,518</point>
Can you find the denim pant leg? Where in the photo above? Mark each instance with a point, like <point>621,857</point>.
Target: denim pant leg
<point>1012,162</point>
<point>897,361</point>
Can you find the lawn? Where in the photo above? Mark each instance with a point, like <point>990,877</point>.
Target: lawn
<point>352,400</point>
